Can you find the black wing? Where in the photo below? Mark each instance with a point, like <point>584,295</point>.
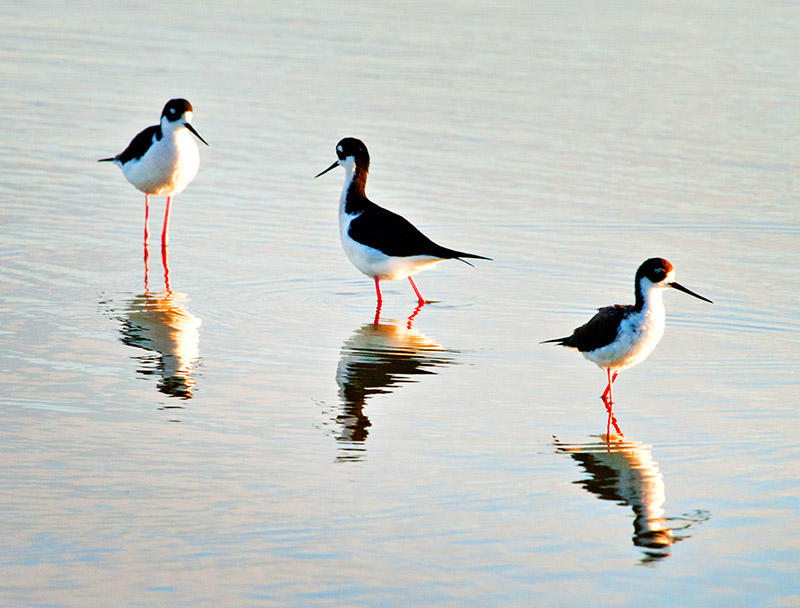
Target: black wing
<point>600,331</point>
<point>394,235</point>
<point>140,144</point>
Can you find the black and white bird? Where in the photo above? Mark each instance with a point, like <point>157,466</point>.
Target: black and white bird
<point>381,244</point>
<point>163,159</point>
<point>619,337</point>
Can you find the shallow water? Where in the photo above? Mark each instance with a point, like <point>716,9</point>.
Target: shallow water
<point>236,430</point>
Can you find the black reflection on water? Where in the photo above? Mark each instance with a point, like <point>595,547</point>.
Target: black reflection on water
<point>375,360</point>
<point>160,324</point>
<point>624,471</point>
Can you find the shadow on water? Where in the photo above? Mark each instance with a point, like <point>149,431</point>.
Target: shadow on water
<point>624,471</point>
<point>160,324</point>
<point>375,360</point>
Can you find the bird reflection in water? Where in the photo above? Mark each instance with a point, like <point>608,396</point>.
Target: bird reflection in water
<point>375,360</point>
<point>160,324</point>
<point>625,472</point>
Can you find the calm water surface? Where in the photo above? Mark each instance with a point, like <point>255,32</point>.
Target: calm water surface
<point>240,432</point>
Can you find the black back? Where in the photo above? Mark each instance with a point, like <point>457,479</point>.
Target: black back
<point>380,228</point>
<point>394,235</point>
<point>173,110</point>
<point>600,331</point>
<point>140,144</point>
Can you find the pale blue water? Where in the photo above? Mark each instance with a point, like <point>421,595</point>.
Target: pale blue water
<point>253,439</point>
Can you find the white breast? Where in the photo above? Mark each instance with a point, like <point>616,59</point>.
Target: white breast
<point>168,166</point>
<point>637,336</point>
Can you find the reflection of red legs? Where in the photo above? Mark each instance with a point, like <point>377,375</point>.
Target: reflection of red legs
<point>414,314</point>
<point>146,265</point>
<point>612,419</point>
<point>165,231</point>
<point>165,262</point>
<point>146,220</point>
<point>416,291</point>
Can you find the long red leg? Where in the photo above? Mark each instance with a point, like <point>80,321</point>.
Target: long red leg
<point>416,291</point>
<point>146,219</point>
<point>165,231</point>
<point>379,304</point>
<point>611,379</point>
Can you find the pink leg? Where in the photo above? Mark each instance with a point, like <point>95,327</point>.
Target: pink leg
<point>165,231</point>
<point>146,219</point>
<point>380,301</point>
<point>607,393</point>
<point>416,291</point>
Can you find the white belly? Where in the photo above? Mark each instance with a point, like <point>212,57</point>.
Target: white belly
<point>637,337</point>
<point>167,168</point>
<point>376,264</point>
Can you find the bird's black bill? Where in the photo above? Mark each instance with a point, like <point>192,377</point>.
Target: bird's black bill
<point>196,134</point>
<point>333,166</point>
<point>680,287</point>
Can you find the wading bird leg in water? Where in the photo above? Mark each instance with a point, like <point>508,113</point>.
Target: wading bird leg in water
<point>416,291</point>
<point>146,220</point>
<point>379,303</point>
<point>607,393</point>
<point>165,231</point>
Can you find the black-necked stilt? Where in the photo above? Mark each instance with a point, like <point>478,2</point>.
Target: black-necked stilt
<point>619,337</point>
<point>381,244</point>
<point>163,159</point>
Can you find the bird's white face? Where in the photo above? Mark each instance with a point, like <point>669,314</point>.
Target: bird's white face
<point>668,278</point>
<point>664,283</point>
<point>349,163</point>
<point>168,123</point>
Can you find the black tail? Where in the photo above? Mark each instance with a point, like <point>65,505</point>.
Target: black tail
<point>460,255</point>
<point>104,160</point>
<point>560,341</point>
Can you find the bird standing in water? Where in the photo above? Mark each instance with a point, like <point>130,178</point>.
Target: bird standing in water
<point>162,160</point>
<point>620,336</point>
<point>383,245</point>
